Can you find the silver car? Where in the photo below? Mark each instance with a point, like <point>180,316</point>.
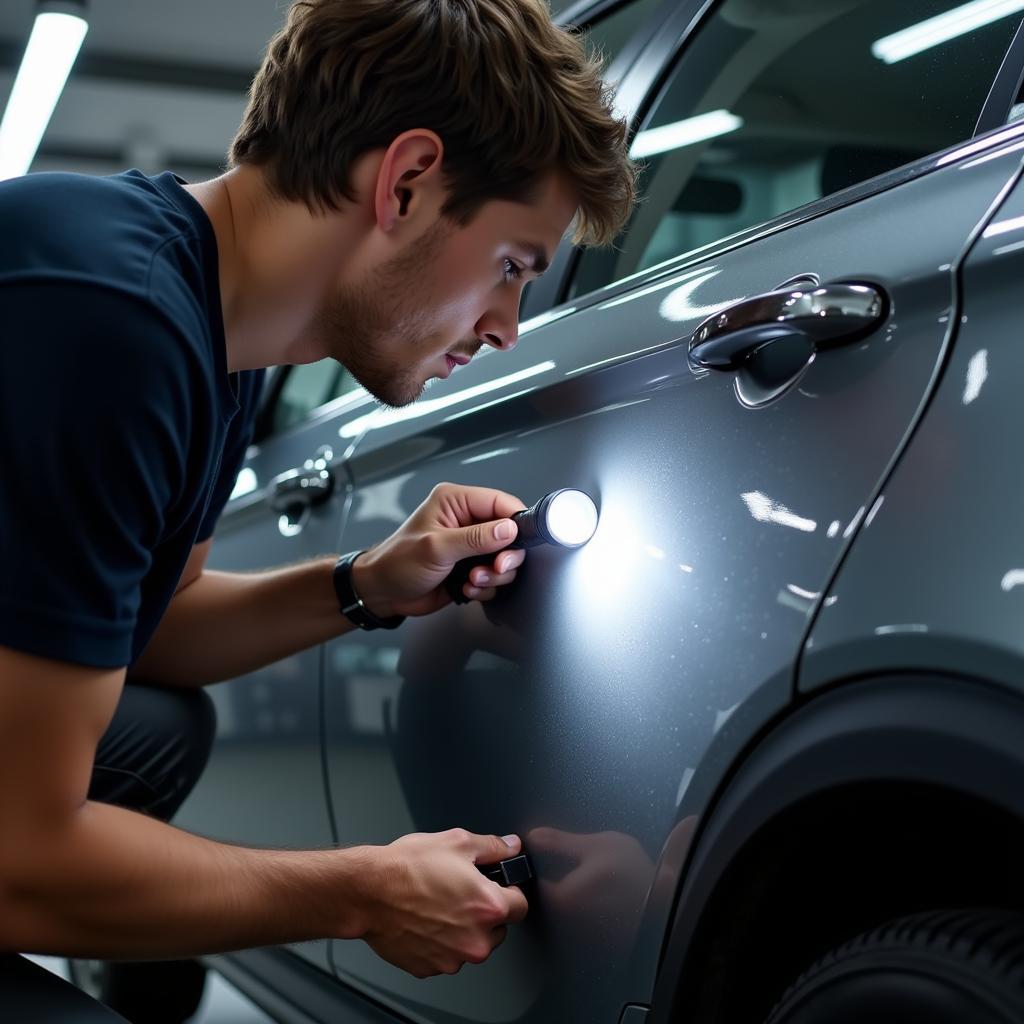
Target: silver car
<point>763,736</point>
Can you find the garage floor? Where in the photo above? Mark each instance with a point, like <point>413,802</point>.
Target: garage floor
<point>222,1002</point>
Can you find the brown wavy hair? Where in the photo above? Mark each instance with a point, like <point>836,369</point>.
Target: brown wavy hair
<point>512,96</point>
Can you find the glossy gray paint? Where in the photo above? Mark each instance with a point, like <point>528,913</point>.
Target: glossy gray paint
<point>606,697</point>
<point>264,783</point>
<point>935,578</point>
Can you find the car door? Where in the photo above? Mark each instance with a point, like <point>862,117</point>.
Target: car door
<point>596,707</point>
<point>263,785</point>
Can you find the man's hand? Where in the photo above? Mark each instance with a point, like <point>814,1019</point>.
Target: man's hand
<point>429,910</point>
<point>404,574</point>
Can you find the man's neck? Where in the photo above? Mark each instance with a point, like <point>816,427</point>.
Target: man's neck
<point>277,262</point>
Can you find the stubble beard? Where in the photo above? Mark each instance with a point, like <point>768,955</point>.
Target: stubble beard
<point>366,327</point>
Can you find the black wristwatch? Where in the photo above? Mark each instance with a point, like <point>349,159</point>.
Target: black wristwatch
<point>351,604</point>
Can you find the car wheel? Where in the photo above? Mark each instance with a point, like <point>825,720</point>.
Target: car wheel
<point>157,992</point>
<point>943,967</point>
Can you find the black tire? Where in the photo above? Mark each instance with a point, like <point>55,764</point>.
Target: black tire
<point>940,967</point>
<point>154,992</point>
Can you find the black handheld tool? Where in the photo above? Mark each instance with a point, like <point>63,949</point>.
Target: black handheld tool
<point>566,518</point>
<point>514,871</point>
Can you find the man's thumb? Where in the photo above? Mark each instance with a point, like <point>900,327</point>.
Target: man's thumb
<point>481,538</point>
<point>493,848</point>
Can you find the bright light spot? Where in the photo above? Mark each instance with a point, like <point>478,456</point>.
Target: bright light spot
<point>686,568</point>
<point>1014,578</point>
<point>833,527</point>
<point>977,374</point>
<point>909,627</point>
<point>684,133</point>
<point>800,592</point>
<point>677,305</point>
<point>572,518</point>
<point>943,27</point>
<point>654,552</point>
<point>245,483</point>
<point>764,510</point>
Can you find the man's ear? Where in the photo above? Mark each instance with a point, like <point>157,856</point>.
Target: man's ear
<point>409,179</point>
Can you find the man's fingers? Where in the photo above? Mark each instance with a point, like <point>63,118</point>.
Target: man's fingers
<point>476,504</point>
<point>483,577</point>
<point>509,561</point>
<point>491,849</point>
<point>517,904</point>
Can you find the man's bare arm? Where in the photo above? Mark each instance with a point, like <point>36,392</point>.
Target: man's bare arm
<point>81,878</point>
<point>220,625</point>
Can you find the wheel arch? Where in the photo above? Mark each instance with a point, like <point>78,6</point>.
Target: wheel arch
<point>904,787</point>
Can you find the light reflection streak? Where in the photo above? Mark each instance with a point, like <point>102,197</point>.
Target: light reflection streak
<point>907,627</point>
<point>765,510</point>
<point>386,417</point>
<point>489,455</point>
<point>977,374</point>
<point>1014,578</point>
<point>676,306</point>
<point>487,405</point>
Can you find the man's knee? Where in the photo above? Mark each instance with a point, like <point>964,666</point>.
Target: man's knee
<point>155,749</point>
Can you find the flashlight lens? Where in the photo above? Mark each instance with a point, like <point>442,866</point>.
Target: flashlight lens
<point>572,518</point>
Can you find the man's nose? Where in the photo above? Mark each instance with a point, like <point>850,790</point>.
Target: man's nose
<point>500,328</point>
<point>505,341</point>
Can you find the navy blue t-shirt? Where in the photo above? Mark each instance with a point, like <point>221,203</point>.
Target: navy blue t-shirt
<point>121,430</point>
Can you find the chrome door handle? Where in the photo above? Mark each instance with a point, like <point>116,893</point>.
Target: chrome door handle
<point>310,485</point>
<point>822,317</point>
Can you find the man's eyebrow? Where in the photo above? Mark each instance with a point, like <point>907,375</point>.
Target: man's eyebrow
<point>539,261</point>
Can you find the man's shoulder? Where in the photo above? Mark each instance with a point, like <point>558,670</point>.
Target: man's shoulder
<point>78,227</point>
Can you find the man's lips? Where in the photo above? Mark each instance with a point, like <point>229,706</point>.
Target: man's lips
<point>460,360</point>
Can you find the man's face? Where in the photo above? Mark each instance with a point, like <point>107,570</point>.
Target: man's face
<point>452,291</point>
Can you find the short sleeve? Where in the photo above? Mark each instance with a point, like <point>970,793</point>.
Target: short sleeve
<point>250,388</point>
<point>95,395</point>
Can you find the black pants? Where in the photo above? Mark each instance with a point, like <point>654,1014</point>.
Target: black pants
<point>149,759</point>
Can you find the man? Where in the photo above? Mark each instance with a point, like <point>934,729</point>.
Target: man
<point>403,168</point>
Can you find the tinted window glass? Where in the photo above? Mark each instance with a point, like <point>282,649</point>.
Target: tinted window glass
<point>306,388</point>
<point>777,103</point>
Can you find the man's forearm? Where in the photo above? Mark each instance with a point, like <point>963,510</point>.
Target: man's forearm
<point>110,883</point>
<point>227,624</point>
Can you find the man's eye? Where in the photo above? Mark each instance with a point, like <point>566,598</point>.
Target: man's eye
<point>512,270</point>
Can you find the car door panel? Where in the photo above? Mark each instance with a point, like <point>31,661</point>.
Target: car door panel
<point>602,698</point>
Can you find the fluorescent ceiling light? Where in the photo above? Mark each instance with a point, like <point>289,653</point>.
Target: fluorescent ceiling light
<point>942,27</point>
<point>686,133</point>
<point>51,51</point>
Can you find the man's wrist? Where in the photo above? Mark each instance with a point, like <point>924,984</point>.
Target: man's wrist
<point>364,581</point>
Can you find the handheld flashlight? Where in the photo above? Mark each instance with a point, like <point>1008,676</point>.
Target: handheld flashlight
<point>566,518</point>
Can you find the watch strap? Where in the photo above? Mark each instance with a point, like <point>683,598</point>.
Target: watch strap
<point>349,601</point>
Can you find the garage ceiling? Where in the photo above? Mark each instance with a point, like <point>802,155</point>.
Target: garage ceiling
<point>156,86</point>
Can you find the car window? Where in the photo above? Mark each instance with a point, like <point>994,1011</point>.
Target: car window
<point>306,388</point>
<point>777,103</point>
